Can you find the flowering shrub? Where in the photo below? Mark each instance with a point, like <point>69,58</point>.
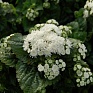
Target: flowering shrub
<point>43,51</point>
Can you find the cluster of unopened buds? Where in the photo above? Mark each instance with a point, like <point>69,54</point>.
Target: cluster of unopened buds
<point>4,44</point>
<point>88,8</point>
<point>52,21</point>
<point>83,75</point>
<point>66,30</point>
<point>46,3</point>
<point>80,51</point>
<point>5,5</point>
<point>52,68</point>
<point>6,8</point>
<point>32,14</point>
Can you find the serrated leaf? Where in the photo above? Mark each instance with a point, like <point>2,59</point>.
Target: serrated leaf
<point>16,43</point>
<point>8,59</point>
<point>7,56</point>
<point>29,80</point>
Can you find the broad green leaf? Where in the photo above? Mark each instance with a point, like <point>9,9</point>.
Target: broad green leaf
<point>8,59</point>
<point>29,80</point>
<point>79,13</point>
<point>7,56</point>
<point>79,35</point>
<point>74,25</point>
<point>16,43</point>
<point>82,24</point>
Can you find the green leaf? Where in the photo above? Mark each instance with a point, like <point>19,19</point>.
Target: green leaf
<point>79,35</point>
<point>8,59</point>
<point>82,24</point>
<point>26,5</point>
<point>16,43</point>
<point>74,25</point>
<point>29,79</point>
<point>7,56</point>
<point>39,5</point>
<point>79,13</point>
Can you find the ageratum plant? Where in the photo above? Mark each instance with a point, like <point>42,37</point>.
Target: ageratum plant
<point>48,56</point>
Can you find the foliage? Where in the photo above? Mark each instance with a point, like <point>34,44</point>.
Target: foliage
<point>66,24</point>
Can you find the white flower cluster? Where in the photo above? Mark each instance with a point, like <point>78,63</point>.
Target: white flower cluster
<point>82,50</point>
<point>38,26</point>
<point>52,68</point>
<point>88,8</point>
<point>77,57</point>
<point>32,14</point>
<point>52,21</point>
<point>46,41</point>
<point>84,75</point>
<point>5,5</point>
<point>66,30</point>
<point>68,46</point>
<point>7,8</point>
<point>4,44</point>
<point>46,4</point>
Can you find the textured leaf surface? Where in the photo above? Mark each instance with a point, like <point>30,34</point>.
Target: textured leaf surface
<point>7,56</point>
<point>29,79</point>
<point>16,43</point>
<point>8,59</point>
